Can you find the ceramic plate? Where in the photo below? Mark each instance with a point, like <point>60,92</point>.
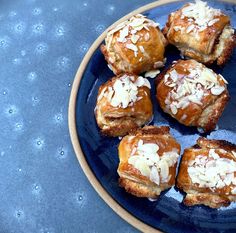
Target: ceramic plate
<point>99,158</point>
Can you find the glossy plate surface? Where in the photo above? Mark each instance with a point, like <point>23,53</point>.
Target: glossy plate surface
<point>99,158</point>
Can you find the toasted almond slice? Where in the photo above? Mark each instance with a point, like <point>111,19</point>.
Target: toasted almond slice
<point>133,159</point>
<point>217,90</point>
<point>154,175</point>
<point>234,153</point>
<point>190,28</point>
<point>142,167</point>
<point>102,93</point>
<point>164,171</point>
<point>213,21</point>
<point>170,84</point>
<point>158,64</point>
<point>134,38</point>
<point>141,48</point>
<point>233,191</point>
<point>132,47</point>
<point>146,36</point>
<point>225,81</point>
<point>137,22</point>
<point>173,109</point>
<point>178,28</point>
<point>152,74</point>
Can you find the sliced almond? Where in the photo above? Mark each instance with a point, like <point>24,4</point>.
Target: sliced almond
<point>139,81</point>
<point>178,28</point>
<point>123,33</point>
<point>170,84</point>
<point>102,94</point>
<point>217,90</point>
<point>190,28</point>
<point>137,22</point>
<point>213,21</point>
<point>233,191</point>
<point>154,175</point>
<point>109,96</point>
<point>234,153</point>
<point>133,159</point>
<point>225,81</point>
<point>132,47</point>
<point>164,171</point>
<point>152,74</point>
<point>134,38</point>
<point>147,36</point>
<point>141,48</point>
<point>173,109</point>
<point>142,167</point>
<point>158,64</point>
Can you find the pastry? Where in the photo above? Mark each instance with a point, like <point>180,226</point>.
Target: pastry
<point>148,159</point>
<point>134,46</point>
<point>192,94</point>
<point>123,104</point>
<point>208,173</point>
<point>201,32</point>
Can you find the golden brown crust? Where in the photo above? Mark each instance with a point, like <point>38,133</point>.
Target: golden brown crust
<point>112,66</point>
<point>227,51</point>
<point>212,113</point>
<point>205,115</point>
<point>215,144</point>
<point>213,198</point>
<point>139,189</point>
<point>202,46</point>
<point>117,121</point>
<point>131,178</point>
<point>163,130</point>
<point>118,128</point>
<point>122,59</point>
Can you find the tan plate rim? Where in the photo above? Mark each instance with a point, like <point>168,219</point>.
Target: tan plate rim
<point>123,213</point>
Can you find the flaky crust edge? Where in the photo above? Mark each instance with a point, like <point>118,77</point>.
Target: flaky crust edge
<point>211,200</point>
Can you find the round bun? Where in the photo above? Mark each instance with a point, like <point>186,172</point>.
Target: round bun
<point>135,46</point>
<point>123,105</point>
<point>193,94</point>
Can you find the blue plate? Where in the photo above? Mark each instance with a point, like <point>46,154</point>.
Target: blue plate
<point>99,158</point>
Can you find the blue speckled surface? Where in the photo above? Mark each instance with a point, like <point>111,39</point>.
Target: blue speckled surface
<point>42,186</point>
<point>168,213</point>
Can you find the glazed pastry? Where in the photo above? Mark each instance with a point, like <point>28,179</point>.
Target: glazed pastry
<point>192,94</point>
<point>208,173</point>
<point>134,46</point>
<point>123,104</point>
<point>148,159</point>
<point>201,32</point>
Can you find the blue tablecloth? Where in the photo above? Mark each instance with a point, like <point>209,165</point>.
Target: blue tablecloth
<point>43,189</point>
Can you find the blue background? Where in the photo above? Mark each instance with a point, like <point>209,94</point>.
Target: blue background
<point>42,186</point>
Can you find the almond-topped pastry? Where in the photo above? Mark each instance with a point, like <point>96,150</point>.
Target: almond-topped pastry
<point>134,46</point>
<point>201,32</point>
<point>208,173</point>
<point>148,160</point>
<point>123,104</point>
<point>192,94</point>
